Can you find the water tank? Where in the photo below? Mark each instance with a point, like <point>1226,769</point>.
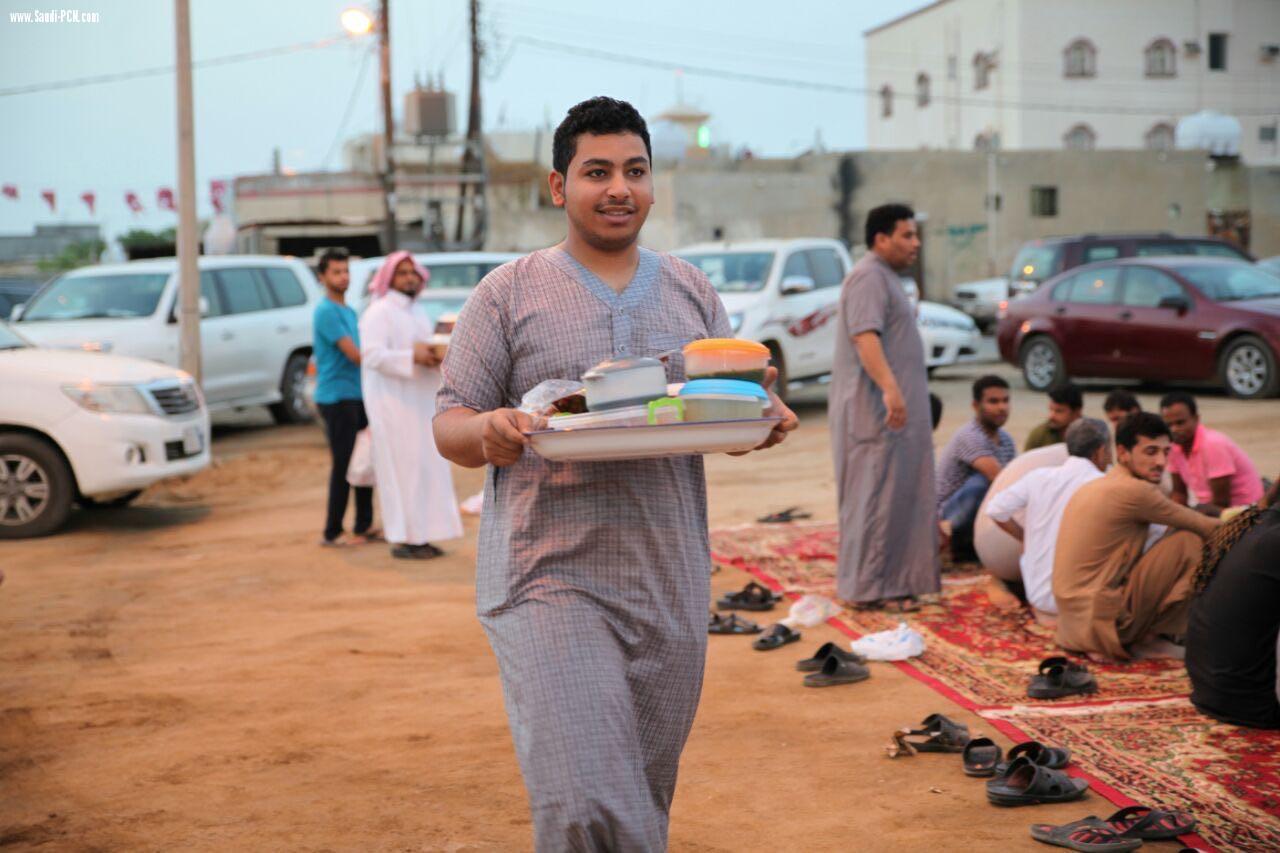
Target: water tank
<point>1210,131</point>
<point>428,112</point>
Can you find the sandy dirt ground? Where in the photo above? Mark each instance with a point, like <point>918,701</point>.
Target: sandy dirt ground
<point>194,673</point>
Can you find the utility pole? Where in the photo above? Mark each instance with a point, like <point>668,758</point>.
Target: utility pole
<point>473,155</point>
<point>388,128</point>
<point>188,240</point>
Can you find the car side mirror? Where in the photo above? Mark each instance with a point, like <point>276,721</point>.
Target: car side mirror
<point>15,313</point>
<point>795,284</point>
<point>1181,304</point>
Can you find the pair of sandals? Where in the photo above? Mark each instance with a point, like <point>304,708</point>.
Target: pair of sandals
<point>935,734</point>
<point>1060,677</point>
<point>752,597</point>
<point>1124,830</point>
<point>831,666</point>
<point>983,757</point>
<point>731,624</point>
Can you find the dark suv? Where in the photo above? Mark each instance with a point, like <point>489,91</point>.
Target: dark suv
<point>1039,260</point>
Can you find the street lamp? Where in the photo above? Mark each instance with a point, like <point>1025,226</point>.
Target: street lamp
<point>358,21</point>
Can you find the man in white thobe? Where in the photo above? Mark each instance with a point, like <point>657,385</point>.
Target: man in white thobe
<point>400,374</point>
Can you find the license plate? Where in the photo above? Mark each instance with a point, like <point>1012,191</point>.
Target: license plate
<point>192,441</point>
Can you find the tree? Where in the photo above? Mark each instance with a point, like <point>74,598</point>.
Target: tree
<point>78,254</point>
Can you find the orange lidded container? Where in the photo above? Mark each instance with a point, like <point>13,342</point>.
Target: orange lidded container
<point>726,358</point>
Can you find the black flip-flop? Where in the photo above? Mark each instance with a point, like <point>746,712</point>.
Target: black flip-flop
<point>836,670</point>
<point>776,637</point>
<point>826,650</point>
<point>752,597</point>
<point>981,755</point>
<point>787,515</point>
<point>1027,784</point>
<point>1060,677</point>
<point>1148,824</point>
<point>1053,757</point>
<point>1088,835</point>
<point>940,734</point>
<point>731,624</point>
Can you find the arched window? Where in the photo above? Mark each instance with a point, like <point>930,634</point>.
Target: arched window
<point>1161,58</point>
<point>982,65</point>
<point>1080,138</point>
<point>1160,137</point>
<point>922,90</point>
<point>1080,59</point>
<point>886,101</point>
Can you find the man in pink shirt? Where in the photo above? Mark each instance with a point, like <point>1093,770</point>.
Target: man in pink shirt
<point>1205,462</point>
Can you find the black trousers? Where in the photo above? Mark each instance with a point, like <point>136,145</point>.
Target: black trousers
<point>342,420</point>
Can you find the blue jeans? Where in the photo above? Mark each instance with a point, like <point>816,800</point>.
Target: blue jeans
<point>961,509</point>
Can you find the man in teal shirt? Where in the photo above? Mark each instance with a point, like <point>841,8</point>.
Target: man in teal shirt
<point>336,349</point>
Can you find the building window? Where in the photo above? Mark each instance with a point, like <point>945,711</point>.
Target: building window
<point>1080,138</point>
<point>1161,59</point>
<point>983,63</point>
<point>1217,51</point>
<point>1267,133</point>
<point>1044,201</point>
<point>1160,137</point>
<point>886,101</point>
<point>1080,59</point>
<point>922,90</point>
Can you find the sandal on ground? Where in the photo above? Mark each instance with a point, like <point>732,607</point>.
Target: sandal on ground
<point>940,734</point>
<point>837,670</point>
<point>791,513</point>
<point>1027,784</point>
<point>981,755</point>
<point>1053,757</point>
<point>826,650</point>
<point>753,597</point>
<point>731,624</point>
<point>373,534</point>
<point>1060,677</point>
<point>776,637</point>
<point>1150,824</point>
<point>1087,835</point>
<point>905,604</point>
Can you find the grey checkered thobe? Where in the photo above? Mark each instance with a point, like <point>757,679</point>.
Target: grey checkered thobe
<point>592,577</point>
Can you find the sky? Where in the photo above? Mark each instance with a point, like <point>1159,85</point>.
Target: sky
<point>542,56</point>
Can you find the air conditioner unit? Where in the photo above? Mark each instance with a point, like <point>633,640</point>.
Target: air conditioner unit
<point>1191,47</point>
<point>1270,52</point>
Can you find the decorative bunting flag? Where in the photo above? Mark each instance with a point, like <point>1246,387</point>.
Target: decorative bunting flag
<point>9,191</point>
<point>164,199</point>
<point>50,199</point>
<point>88,198</point>
<point>131,199</point>
<point>217,189</point>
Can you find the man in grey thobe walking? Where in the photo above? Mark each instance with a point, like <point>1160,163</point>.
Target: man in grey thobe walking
<point>880,427</point>
<point>592,577</point>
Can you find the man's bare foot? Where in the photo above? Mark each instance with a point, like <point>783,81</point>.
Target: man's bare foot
<point>1048,620</point>
<point>1001,598</point>
<point>1098,657</point>
<point>944,537</point>
<point>1157,648</point>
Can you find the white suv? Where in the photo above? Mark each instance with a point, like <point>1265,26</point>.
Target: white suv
<point>255,335</point>
<point>79,426</point>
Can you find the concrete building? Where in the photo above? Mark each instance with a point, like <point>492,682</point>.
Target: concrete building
<point>1085,74</point>
<point>20,254</point>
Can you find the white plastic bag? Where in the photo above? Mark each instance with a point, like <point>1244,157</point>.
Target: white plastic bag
<point>811,610</point>
<point>360,469</point>
<point>899,644</point>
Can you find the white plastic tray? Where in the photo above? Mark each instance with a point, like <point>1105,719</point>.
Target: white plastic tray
<point>645,442</point>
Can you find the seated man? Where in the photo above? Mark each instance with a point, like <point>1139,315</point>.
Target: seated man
<point>1066,404</point>
<point>1205,462</point>
<point>1042,495</point>
<point>1119,405</point>
<point>1235,620</point>
<point>972,459</point>
<point>1111,596</point>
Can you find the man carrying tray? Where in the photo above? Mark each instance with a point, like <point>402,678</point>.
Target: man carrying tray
<point>592,577</point>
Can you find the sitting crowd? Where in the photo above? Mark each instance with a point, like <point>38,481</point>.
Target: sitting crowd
<point>1168,546</point>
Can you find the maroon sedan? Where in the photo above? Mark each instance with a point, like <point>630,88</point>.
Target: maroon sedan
<point>1150,318</point>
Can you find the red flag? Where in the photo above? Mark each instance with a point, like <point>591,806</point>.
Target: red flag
<point>88,198</point>
<point>164,199</point>
<point>131,199</point>
<point>50,199</point>
<point>217,189</point>
<point>10,191</point>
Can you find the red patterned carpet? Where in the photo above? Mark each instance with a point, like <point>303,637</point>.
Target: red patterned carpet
<point>1138,739</point>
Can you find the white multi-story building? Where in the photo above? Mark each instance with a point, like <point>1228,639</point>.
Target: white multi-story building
<point>1045,74</point>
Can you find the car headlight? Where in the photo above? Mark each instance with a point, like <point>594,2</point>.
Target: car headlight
<point>115,399</point>
<point>735,322</point>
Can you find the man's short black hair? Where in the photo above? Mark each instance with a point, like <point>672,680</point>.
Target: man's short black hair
<point>328,256</point>
<point>1173,398</point>
<point>1122,400</point>
<point>884,220</point>
<point>982,383</point>
<point>1141,424</point>
<point>1067,395</point>
<point>598,116</point>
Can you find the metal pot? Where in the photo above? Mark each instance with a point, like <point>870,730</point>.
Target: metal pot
<point>624,382</point>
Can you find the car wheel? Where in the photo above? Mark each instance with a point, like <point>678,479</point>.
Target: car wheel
<point>111,503</point>
<point>776,359</point>
<point>293,409</point>
<point>36,487</point>
<point>1248,369</point>
<point>1042,364</point>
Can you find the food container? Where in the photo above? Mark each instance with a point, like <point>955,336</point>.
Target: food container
<point>624,382</point>
<point>666,410</point>
<point>726,358</point>
<point>723,400</point>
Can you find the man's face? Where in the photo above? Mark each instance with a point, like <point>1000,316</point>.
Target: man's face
<point>607,190</point>
<point>1181,423</point>
<point>1061,415</point>
<point>336,276</point>
<point>993,408</point>
<point>1148,458</point>
<point>406,279</point>
<point>1118,415</point>
<point>899,249</point>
